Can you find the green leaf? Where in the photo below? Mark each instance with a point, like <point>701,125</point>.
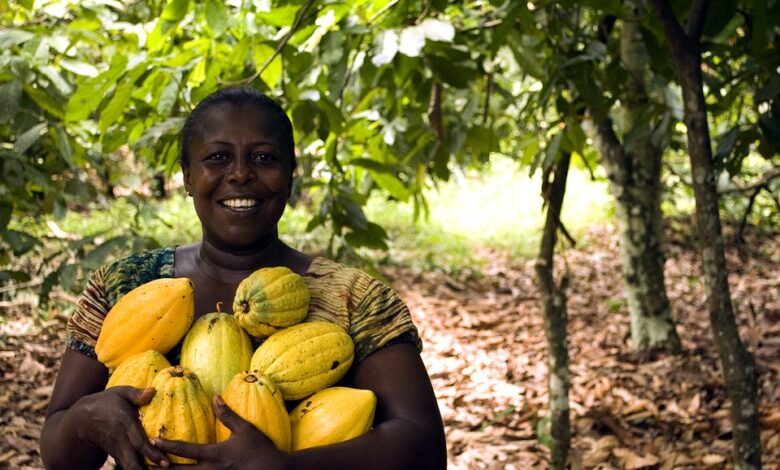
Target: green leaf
<point>28,138</point>
<point>373,236</point>
<point>281,15</point>
<point>62,141</point>
<point>152,135</point>
<point>20,242</point>
<point>111,113</point>
<point>9,275</point>
<point>216,17</point>
<point>168,97</point>
<point>507,24</point>
<point>89,94</point>
<point>48,284</point>
<point>370,164</point>
<point>68,277</point>
<point>45,101</point>
<point>197,75</point>
<point>175,10</point>
<point>551,152</point>
<point>56,79</point>
<point>10,94</point>
<point>12,37</point>
<point>726,144</point>
<point>335,117</point>
<point>356,218</point>
<point>6,209</point>
<point>770,90</point>
<point>770,127</point>
<point>98,256</point>
<point>459,75</point>
<point>261,53</point>
<point>390,183</point>
<point>79,68</point>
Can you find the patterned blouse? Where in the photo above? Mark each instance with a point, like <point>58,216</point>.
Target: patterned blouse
<point>371,312</point>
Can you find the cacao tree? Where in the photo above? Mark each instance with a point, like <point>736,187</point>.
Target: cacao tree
<point>736,362</point>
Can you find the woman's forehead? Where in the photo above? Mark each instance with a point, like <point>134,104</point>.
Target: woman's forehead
<point>229,119</point>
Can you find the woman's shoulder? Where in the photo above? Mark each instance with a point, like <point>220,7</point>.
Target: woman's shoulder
<point>126,273</point>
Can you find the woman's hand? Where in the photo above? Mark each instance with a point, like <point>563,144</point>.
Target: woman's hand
<point>109,420</point>
<point>247,447</point>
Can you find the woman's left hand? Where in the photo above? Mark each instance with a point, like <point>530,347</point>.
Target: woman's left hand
<point>247,447</point>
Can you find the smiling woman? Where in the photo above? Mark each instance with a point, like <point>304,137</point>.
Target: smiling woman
<point>238,162</point>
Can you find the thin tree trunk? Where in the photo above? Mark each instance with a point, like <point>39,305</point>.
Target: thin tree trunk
<point>555,320</point>
<point>634,171</point>
<point>736,362</point>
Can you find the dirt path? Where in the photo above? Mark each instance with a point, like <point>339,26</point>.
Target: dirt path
<point>485,352</point>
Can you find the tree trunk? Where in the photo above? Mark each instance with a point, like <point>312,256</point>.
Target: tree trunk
<point>634,171</point>
<point>555,320</point>
<point>736,362</point>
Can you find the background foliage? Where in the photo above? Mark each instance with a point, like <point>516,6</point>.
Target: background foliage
<point>388,98</point>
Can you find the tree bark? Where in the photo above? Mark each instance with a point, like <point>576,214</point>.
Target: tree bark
<point>634,172</point>
<point>736,362</point>
<point>555,320</point>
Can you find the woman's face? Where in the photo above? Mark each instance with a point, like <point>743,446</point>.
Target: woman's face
<point>239,176</point>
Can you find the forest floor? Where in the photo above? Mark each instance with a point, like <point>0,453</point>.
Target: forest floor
<point>485,352</point>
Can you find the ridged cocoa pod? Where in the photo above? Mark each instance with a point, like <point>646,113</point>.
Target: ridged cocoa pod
<point>305,358</point>
<point>330,416</point>
<point>271,299</point>
<point>138,370</point>
<point>258,400</point>
<point>155,315</point>
<point>180,410</point>
<point>216,348</point>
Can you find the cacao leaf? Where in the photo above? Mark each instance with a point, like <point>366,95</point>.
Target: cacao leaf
<point>28,138</point>
<point>89,94</point>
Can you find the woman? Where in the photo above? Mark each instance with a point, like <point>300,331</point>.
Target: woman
<point>238,160</point>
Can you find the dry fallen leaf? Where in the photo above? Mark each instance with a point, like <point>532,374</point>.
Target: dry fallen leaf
<point>713,459</point>
<point>632,461</point>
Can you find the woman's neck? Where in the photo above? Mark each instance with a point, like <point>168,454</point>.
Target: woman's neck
<point>232,266</point>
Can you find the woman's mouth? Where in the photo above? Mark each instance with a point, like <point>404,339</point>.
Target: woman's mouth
<point>240,204</point>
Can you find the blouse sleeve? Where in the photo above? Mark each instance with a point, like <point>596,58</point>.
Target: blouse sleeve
<point>380,318</point>
<point>84,324</point>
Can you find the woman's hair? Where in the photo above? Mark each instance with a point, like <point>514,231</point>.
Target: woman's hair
<point>238,96</point>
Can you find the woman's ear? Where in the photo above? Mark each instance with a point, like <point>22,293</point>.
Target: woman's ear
<point>185,170</point>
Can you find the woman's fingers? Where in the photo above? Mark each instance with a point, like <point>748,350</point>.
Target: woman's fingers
<point>139,446</point>
<point>143,445</point>
<point>230,419</point>
<point>137,396</point>
<point>182,449</point>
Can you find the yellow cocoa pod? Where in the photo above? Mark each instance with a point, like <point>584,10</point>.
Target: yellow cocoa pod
<point>216,348</point>
<point>180,410</point>
<point>305,358</point>
<point>333,415</point>
<point>270,299</point>
<point>258,400</point>
<point>138,370</point>
<point>155,315</point>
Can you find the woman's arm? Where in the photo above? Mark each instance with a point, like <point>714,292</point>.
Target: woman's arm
<point>84,422</point>
<point>407,433</point>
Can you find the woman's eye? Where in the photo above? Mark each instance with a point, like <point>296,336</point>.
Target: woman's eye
<point>263,157</point>
<point>217,156</point>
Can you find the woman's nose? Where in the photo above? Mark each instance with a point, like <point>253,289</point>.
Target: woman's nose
<point>239,171</point>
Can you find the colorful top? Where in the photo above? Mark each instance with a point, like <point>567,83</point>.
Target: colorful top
<point>371,312</point>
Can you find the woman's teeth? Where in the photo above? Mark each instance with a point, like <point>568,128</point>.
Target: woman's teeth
<point>240,203</point>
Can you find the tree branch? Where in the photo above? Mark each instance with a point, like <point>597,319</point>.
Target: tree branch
<point>677,36</point>
<point>697,16</point>
<point>762,182</point>
<point>296,24</point>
